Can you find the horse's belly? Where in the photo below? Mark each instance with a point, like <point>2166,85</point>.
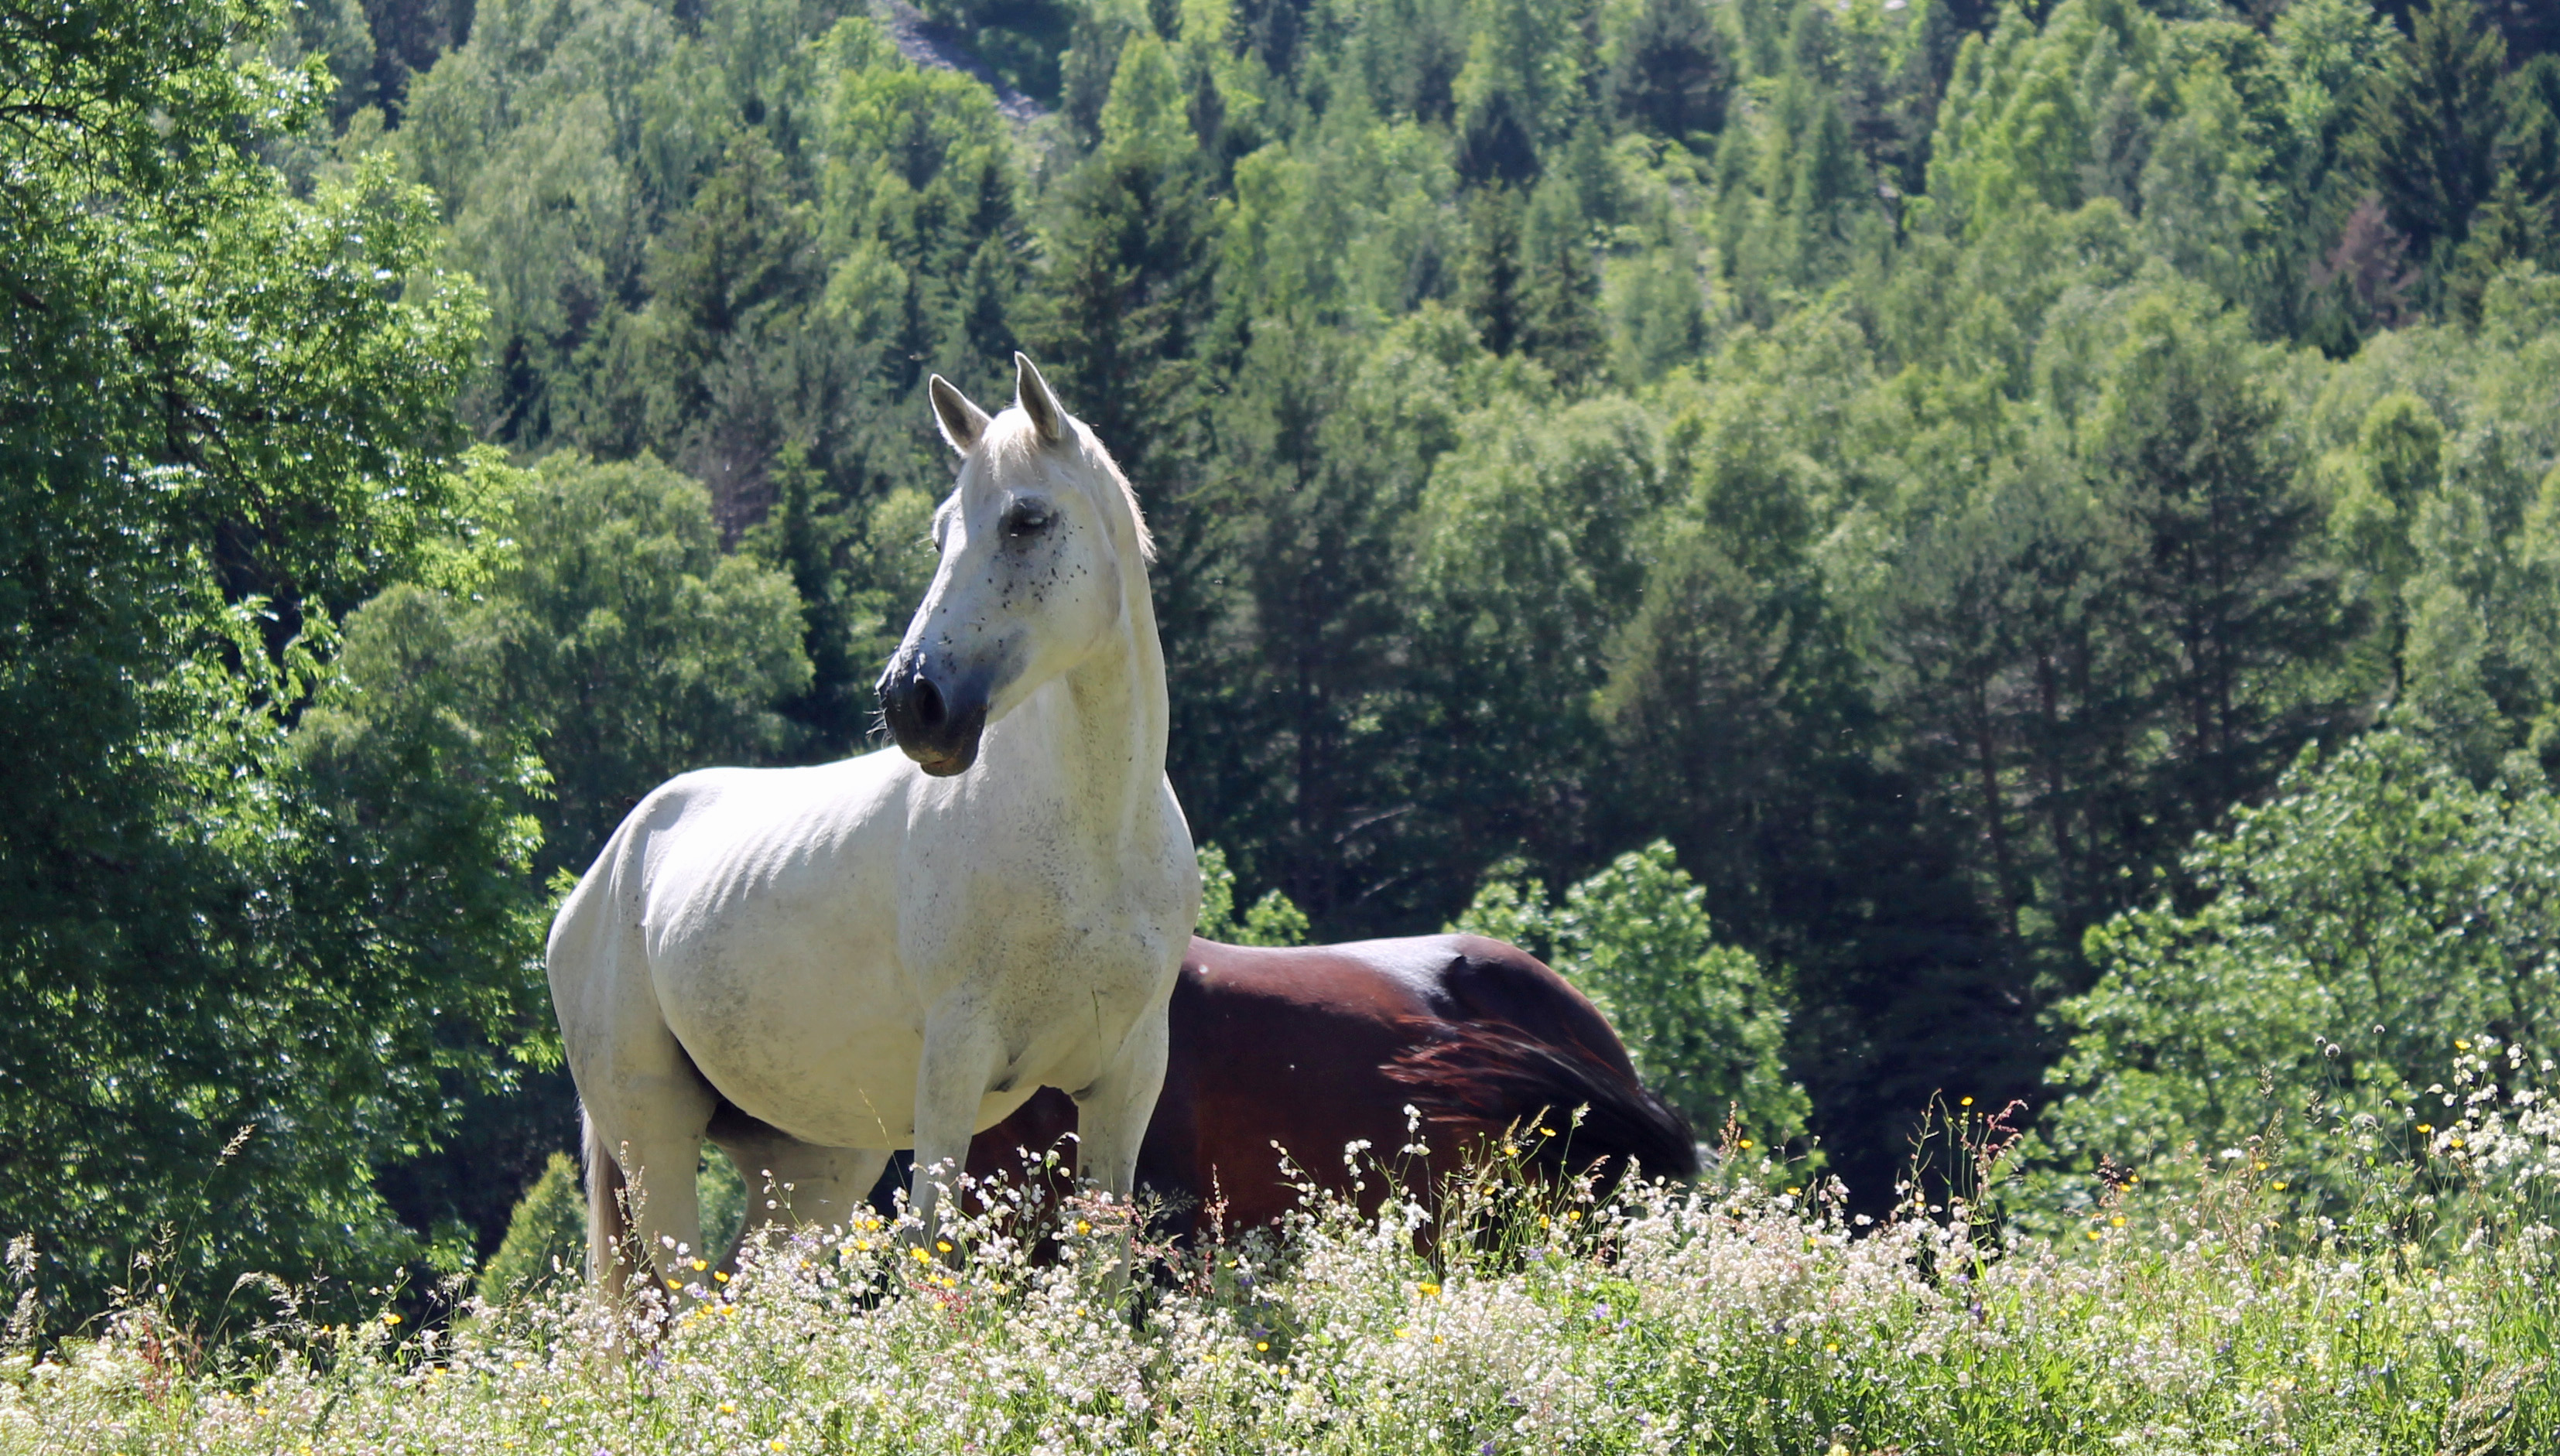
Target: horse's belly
<point>823,1048</point>
<point>824,1051</point>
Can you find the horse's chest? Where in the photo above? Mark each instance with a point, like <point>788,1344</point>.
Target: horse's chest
<point>1098,969</point>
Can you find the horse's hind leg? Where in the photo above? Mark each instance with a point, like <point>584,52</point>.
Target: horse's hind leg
<point>665,1214</point>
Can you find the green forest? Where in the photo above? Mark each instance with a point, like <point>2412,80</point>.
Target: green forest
<point>1917,548</point>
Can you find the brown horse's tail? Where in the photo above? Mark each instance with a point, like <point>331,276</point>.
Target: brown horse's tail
<point>1479,1078</point>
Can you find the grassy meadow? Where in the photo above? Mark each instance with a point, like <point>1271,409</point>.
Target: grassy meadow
<point>2210,1313</point>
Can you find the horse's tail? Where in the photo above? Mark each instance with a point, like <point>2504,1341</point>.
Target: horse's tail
<point>609,1251</point>
<point>1479,1078</point>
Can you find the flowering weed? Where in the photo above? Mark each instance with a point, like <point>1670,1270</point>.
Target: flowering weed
<point>1741,1314</point>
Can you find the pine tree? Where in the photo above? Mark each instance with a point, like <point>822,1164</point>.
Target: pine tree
<point>1495,147</point>
<point>1560,307</point>
<point>1673,76</point>
<point>1491,284</point>
<point>2224,577</point>
<point>2432,126</point>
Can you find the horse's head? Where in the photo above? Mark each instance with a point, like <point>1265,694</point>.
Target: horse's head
<point>1035,541</point>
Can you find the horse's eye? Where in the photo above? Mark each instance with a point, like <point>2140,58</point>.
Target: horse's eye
<point>1025,519</point>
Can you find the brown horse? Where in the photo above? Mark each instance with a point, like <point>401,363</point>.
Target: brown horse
<point>1316,1046</point>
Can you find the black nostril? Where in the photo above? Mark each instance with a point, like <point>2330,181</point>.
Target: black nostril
<point>929,705</point>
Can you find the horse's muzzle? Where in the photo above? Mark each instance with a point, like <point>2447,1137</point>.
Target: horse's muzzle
<point>936,721</point>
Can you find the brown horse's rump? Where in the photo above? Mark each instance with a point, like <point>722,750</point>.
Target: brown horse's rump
<point>1315,1047</point>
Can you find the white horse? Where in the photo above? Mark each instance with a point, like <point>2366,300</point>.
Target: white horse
<point>816,966</point>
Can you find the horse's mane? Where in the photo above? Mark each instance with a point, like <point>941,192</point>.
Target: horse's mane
<point>1011,441</point>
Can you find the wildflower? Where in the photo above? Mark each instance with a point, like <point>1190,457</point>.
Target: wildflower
<point>774,1444</point>
<point>722,1276</point>
<point>390,1318</point>
<point>1744,1144</point>
<point>1082,1227</point>
<point>921,1257</point>
<point>1964,1102</point>
<point>1401,1332</point>
<point>728,1407</point>
<point>700,1265</point>
<point>1261,1344</point>
<point>2278,1185</point>
<point>943,1244</point>
<point>1427,1289</point>
<point>2426,1128</point>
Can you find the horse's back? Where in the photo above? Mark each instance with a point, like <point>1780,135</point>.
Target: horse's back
<point>749,915</point>
<point>1315,1047</point>
<point>1310,1046</point>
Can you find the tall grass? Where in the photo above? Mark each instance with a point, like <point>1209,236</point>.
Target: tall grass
<point>1731,1315</point>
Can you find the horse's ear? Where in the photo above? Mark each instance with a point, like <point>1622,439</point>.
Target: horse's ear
<point>1031,392</point>
<point>962,422</point>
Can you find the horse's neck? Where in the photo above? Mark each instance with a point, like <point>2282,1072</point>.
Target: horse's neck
<point>1100,729</point>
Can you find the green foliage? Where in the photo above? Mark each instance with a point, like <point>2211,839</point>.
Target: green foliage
<point>611,589</point>
<point>546,1240</point>
<point>1925,461</point>
<point>1703,1021</point>
<point>1580,1329</point>
<point>2354,937</point>
<point>1270,921</point>
<point>229,986</point>
<point>1673,71</point>
<point>2432,126</point>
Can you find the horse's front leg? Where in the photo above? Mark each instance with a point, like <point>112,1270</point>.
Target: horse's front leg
<point>1111,1115</point>
<point>961,1055</point>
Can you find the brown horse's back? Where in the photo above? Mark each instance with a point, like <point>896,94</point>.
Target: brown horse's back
<point>1315,1047</point>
